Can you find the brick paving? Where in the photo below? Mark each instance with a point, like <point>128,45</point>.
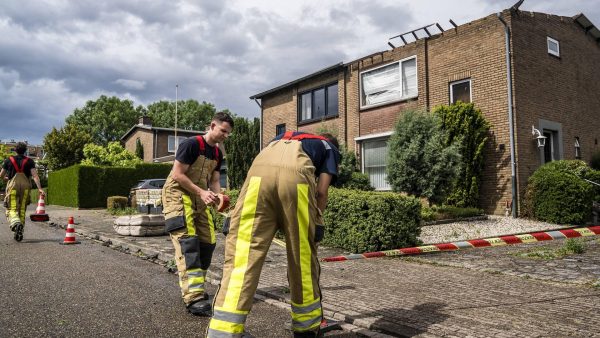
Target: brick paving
<point>472,293</point>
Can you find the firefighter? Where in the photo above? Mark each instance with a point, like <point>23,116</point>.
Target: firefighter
<point>285,189</point>
<point>188,196</point>
<point>18,170</point>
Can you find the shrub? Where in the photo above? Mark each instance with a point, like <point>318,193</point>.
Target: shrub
<point>419,162</point>
<point>448,212</point>
<point>556,193</point>
<point>116,202</point>
<point>361,221</point>
<point>595,162</point>
<point>465,126</point>
<point>358,181</point>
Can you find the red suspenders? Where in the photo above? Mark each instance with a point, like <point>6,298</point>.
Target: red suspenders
<point>289,135</point>
<point>14,163</point>
<point>200,140</point>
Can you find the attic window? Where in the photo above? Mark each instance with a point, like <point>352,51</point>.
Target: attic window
<point>553,47</point>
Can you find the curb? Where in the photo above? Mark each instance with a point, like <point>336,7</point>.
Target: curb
<point>359,326</point>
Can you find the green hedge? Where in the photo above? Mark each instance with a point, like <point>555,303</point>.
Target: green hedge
<point>556,193</point>
<point>90,186</point>
<point>360,221</point>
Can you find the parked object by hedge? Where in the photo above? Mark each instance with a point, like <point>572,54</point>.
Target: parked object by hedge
<point>557,193</point>
<point>89,186</point>
<point>116,202</point>
<point>360,221</point>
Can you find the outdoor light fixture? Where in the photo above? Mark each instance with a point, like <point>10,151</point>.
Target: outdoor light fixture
<point>541,139</point>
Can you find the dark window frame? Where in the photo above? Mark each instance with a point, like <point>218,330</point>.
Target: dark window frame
<point>278,127</point>
<point>327,114</point>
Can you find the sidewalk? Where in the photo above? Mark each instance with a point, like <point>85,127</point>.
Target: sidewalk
<point>470,293</point>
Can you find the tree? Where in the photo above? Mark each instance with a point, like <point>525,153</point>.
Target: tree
<point>419,162</point>
<point>139,149</point>
<point>4,154</point>
<point>113,155</point>
<point>106,119</point>
<point>241,147</point>
<point>64,146</point>
<point>466,127</point>
<point>190,114</point>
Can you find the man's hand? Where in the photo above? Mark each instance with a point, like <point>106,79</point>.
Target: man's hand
<point>208,197</point>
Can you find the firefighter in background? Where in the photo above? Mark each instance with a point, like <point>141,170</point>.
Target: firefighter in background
<point>188,194</point>
<point>18,170</point>
<point>281,191</point>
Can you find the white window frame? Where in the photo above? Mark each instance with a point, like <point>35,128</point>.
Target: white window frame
<point>171,139</point>
<point>550,40</point>
<point>369,138</point>
<point>402,98</point>
<point>459,82</point>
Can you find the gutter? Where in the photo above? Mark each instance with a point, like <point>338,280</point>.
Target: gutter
<point>513,166</point>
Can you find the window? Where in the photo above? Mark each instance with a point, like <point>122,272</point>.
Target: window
<point>374,162</point>
<point>553,47</point>
<point>318,103</point>
<point>171,142</point>
<point>280,129</point>
<point>460,91</point>
<point>389,83</point>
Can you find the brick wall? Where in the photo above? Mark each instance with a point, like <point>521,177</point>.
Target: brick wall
<point>147,139</point>
<point>561,89</point>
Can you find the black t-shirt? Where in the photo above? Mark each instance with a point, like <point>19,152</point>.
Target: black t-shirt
<point>324,155</point>
<point>10,169</point>
<point>189,150</point>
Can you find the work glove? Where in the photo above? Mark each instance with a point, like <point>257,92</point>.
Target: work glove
<point>319,233</point>
<point>225,228</point>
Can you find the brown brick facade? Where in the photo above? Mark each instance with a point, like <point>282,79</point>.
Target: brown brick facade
<point>562,90</point>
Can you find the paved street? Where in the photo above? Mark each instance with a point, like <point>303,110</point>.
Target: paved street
<point>85,290</point>
<point>469,293</point>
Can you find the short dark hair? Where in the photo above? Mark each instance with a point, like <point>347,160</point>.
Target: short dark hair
<point>223,117</point>
<point>21,148</point>
<point>331,139</point>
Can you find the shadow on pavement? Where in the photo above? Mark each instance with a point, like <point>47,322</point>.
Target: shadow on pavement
<point>426,314</point>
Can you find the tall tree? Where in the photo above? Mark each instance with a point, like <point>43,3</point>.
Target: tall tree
<point>241,148</point>
<point>106,119</point>
<point>139,149</point>
<point>64,146</point>
<point>465,126</point>
<point>419,162</point>
<point>190,114</point>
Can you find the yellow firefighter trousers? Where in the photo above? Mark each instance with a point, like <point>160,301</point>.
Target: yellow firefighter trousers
<point>279,193</point>
<point>17,199</point>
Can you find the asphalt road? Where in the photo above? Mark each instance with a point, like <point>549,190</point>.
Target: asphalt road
<point>88,290</point>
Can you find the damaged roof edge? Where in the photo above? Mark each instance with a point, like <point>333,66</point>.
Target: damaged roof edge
<point>319,72</point>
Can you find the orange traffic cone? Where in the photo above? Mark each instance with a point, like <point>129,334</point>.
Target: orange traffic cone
<point>40,212</point>
<point>70,235</point>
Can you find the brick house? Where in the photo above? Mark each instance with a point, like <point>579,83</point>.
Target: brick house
<point>554,75</point>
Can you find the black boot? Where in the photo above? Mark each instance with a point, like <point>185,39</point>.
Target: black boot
<point>202,307</point>
<point>18,232</point>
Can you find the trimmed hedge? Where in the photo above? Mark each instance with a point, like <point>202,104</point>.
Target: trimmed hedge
<point>556,193</point>
<point>360,221</point>
<point>89,186</point>
<point>116,202</point>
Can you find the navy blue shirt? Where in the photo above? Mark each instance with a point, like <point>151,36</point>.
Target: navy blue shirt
<point>189,150</point>
<point>324,155</point>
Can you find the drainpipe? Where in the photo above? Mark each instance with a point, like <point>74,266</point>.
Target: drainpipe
<point>513,166</point>
<point>260,132</point>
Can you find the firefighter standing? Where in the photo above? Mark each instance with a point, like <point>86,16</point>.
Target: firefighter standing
<point>18,170</point>
<point>280,192</point>
<point>191,188</point>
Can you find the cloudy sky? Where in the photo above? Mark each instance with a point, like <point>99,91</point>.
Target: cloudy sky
<point>56,54</point>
